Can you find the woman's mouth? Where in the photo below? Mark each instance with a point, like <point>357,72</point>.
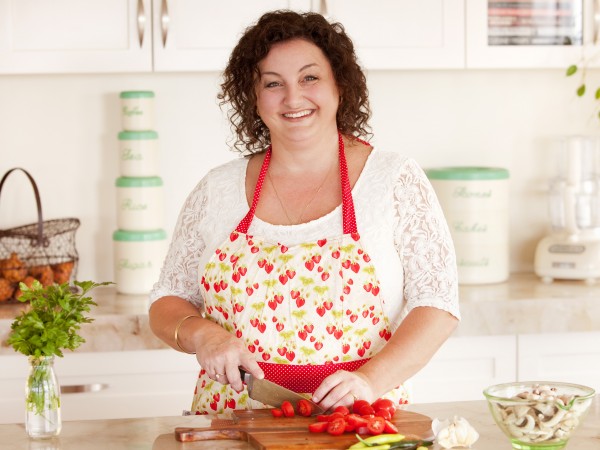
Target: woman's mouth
<point>298,114</point>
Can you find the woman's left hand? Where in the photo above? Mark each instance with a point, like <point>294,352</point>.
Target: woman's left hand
<point>342,389</point>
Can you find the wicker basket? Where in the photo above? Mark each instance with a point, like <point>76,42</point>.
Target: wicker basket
<point>44,250</point>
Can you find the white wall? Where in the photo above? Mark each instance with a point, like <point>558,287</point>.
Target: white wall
<point>63,129</point>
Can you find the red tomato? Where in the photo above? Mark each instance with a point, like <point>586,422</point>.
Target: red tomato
<point>366,410</point>
<point>376,425</point>
<point>383,413</point>
<point>342,410</point>
<point>318,427</point>
<point>390,427</point>
<point>349,427</point>
<point>384,403</point>
<point>323,418</point>
<point>356,420</point>
<point>277,412</point>
<point>304,408</point>
<point>359,404</point>
<point>287,408</point>
<point>336,427</point>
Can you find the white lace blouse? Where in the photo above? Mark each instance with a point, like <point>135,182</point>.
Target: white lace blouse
<point>399,220</point>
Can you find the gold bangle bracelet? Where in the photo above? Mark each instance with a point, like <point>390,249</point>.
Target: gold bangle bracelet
<point>177,334</point>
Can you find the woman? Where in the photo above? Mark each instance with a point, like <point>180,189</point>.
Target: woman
<point>319,263</point>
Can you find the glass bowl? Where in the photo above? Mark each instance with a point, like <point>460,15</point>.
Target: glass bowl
<point>538,414</point>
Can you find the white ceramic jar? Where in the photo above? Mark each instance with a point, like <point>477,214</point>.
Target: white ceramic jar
<point>138,153</point>
<point>476,207</point>
<point>138,257</point>
<point>140,203</point>
<point>137,110</point>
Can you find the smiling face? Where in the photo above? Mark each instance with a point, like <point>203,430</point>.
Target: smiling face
<point>296,92</point>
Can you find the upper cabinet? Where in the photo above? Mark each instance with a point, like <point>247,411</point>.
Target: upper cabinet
<point>193,35</point>
<point>74,36</point>
<point>402,34</point>
<point>530,34</point>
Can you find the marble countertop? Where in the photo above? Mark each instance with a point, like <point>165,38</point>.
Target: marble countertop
<point>522,305</point>
<point>157,433</point>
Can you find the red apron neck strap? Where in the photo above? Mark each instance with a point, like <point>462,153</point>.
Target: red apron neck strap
<point>348,215</point>
<point>247,220</point>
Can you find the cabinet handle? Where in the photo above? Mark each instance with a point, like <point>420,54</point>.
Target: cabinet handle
<point>323,7</point>
<point>141,21</point>
<point>80,388</point>
<point>164,21</point>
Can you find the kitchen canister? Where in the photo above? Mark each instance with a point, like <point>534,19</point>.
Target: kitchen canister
<point>140,203</point>
<point>137,110</point>
<point>138,257</point>
<point>138,153</point>
<point>476,207</point>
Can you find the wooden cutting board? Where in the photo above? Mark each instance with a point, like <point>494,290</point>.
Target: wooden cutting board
<point>264,432</point>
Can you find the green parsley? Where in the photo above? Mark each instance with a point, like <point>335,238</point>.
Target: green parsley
<point>53,320</point>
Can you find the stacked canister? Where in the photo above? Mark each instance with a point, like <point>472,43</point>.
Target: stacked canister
<point>475,204</point>
<point>140,241</point>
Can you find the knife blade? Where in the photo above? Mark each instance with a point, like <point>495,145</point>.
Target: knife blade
<point>272,394</point>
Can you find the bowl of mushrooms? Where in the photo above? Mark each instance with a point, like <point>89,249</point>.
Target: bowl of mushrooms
<point>538,414</point>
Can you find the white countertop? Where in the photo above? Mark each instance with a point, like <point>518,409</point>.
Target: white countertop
<point>522,305</point>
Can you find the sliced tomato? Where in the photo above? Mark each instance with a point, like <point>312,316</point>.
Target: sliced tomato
<point>390,428</point>
<point>384,403</point>
<point>359,404</point>
<point>288,409</point>
<point>304,408</point>
<point>277,412</point>
<point>383,413</point>
<point>349,427</point>
<point>318,427</point>
<point>336,427</point>
<point>342,410</point>
<point>356,420</point>
<point>323,418</point>
<point>376,425</point>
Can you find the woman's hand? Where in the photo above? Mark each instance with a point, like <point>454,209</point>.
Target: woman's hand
<point>221,354</point>
<point>342,389</point>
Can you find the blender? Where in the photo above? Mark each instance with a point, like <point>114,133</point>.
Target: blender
<point>572,249</point>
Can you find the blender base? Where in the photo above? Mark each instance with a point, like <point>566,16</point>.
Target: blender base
<point>568,257</point>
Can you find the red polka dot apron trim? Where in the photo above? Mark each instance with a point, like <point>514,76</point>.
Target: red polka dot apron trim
<point>304,311</point>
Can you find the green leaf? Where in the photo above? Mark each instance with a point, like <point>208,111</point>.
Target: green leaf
<point>597,95</point>
<point>571,70</point>
<point>581,90</point>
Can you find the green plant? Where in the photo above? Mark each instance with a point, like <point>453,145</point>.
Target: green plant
<point>54,318</point>
<point>581,89</point>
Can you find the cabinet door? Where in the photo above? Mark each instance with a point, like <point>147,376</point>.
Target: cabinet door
<point>74,36</point>
<point>522,26</point>
<point>464,367</point>
<point>107,385</point>
<point>570,357</point>
<point>402,34</point>
<point>192,35</point>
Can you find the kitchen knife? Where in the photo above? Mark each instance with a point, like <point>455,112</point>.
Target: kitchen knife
<point>272,394</point>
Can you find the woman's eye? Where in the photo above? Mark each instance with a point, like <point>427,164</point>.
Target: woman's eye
<point>272,84</point>
<point>310,78</point>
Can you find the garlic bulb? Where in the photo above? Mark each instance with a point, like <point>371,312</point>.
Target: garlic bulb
<point>454,434</point>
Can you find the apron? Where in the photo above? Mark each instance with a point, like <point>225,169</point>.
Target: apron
<point>305,311</point>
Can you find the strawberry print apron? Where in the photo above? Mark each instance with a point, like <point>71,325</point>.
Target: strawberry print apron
<point>305,311</point>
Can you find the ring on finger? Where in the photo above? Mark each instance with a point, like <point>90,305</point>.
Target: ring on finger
<point>218,375</point>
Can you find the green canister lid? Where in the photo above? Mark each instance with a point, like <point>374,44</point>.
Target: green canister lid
<point>467,173</point>
<point>139,182</point>
<point>139,236</point>
<point>137,135</point>
<point>137,94</point>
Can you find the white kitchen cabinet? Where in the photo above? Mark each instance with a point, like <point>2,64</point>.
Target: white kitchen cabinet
<point>464,367</point>
<point>144,383</point>
<point>570,357</point>
<point>74,36</point>
<point>402,34</point>
<point>192,35</point>
<point>480,54</point>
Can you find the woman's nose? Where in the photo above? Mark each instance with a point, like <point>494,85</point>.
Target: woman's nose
<point>293,96</point>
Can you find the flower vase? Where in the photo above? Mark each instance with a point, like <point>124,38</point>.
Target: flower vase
<point>42,399</point>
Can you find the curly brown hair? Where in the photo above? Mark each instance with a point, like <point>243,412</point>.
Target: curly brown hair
<point>241,74</point>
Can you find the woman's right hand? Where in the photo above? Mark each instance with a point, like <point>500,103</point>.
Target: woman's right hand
<point>221,354</point>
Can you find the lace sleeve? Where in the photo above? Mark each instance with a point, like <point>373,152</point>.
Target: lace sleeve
<point>423,241</point>
<point>179,274</point>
